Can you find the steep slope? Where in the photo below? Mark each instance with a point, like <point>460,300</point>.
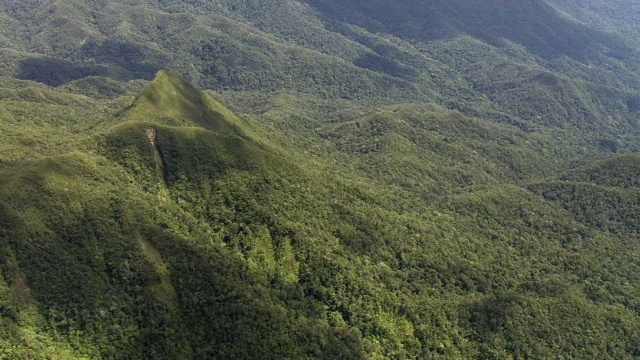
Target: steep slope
<point>531,23</point>
<point>109,253</point>
<point>618,16</point>
<point>519,62</point>
<point>390,189</point>
<point>604,194</point>
<point>178,230</point>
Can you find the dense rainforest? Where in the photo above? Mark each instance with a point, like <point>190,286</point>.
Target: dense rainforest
<point>319,179</point>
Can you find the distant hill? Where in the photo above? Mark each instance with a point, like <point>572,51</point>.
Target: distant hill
<point>531,23</point>
<point>614,16</point>
<point>520,62</point>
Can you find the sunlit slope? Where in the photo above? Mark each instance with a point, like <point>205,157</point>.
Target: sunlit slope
<point>175,230</point>
<point>517,63</point>
<point>110,248</point>
<point>169,100</point>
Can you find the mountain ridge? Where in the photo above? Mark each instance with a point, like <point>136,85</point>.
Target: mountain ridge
<point>341,189</point>
<point>247,52</point>
<point>299,245</point>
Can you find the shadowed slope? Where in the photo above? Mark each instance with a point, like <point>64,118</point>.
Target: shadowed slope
<point>531,23</point>
<point>140,267</point>
<point>207,243</point>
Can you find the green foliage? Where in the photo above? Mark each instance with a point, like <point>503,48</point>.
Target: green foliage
<point>399,232</point>
<point>390,189</point>
<point>535,69</point>
<point>618,171</point>
<point>604,194</point>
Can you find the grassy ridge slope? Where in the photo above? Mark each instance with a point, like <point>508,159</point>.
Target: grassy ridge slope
<point>220,238</point>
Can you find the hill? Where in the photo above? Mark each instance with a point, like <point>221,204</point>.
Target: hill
<point>520,63</point>
<point>385,180</point>
<point>212,238</point>
<point>613,16</point>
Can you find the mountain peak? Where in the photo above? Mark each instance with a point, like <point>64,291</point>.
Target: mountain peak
<point>171,100</point>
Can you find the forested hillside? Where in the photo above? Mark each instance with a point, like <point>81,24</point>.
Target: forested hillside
<point>319,179</point>
<point>614,16</point>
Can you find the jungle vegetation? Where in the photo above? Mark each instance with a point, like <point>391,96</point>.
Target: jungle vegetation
<point>319,179</point>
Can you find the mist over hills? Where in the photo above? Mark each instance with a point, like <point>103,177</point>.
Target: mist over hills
<point>385,180</point>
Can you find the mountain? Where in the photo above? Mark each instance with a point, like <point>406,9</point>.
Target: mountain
<point>613,16</point>
<point>181,230</point>
<point>531,23</point>
<point>521,63</point>
<point>417,179</point>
